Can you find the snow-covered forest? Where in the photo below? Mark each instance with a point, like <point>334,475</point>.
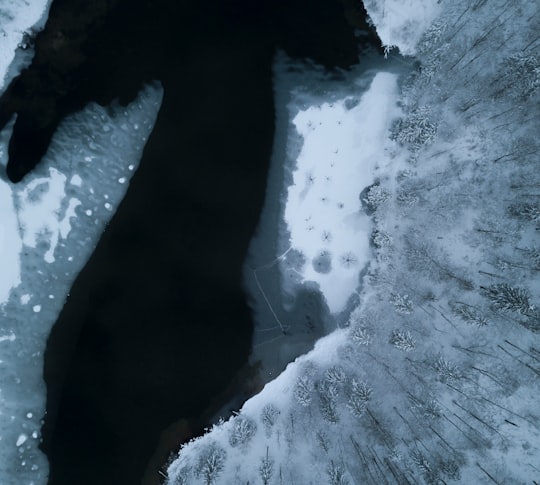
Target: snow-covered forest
<point>434,377</point>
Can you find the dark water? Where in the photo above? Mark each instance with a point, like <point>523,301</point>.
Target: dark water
<point>157,326</point>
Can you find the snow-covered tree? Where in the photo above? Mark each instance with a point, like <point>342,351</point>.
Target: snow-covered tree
<point>242,431</point>
<point>416,130</point>
<point>402,340</point>
<point>469,314</point>
<point>266,469</point>
<point>448,371</point>
<point>361,336</point>
<point>336,475</point>
<point>302,390</point>
<point>509,298</point>
<point>269,417</point>
<point>521,75</point>
<point>328,395</point>
<point>210,463</point>
<point>375,197</point>
<point>402,303</point>
<point>359,395</point>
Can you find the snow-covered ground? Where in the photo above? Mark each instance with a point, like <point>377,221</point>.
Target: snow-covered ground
<point>435,379</point>
<point>49,225</point>
<point>341,148</point>
<point>18,18</point>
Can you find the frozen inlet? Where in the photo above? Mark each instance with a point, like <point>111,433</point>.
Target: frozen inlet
<point>49,225</point>
<point>312,244</point>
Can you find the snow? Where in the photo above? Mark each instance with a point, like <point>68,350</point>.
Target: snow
<point>10,243</point>
<point>435,377</point>
<point>340,151</point>
<point>401,23</point>
<point>16,18</point>
<point>49,224</point>
<point>304,278</point>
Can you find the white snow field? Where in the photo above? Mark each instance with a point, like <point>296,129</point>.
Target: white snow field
<point>341,148</point>
<point>49,225</point>
<point>435,378</point>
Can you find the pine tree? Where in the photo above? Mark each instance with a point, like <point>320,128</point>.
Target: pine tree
<point>509,298</point>
<point>402,340</point>
<point>359,395</point>
<point>336,475</point>
<point>416,130</point>
<point>328,395</point>
<point>266,469</point>
<point>402,303</point>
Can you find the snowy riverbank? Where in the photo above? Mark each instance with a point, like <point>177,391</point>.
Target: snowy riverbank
<point>435,380</point>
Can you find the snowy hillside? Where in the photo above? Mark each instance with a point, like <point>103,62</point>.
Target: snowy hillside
<point>434,379</point>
